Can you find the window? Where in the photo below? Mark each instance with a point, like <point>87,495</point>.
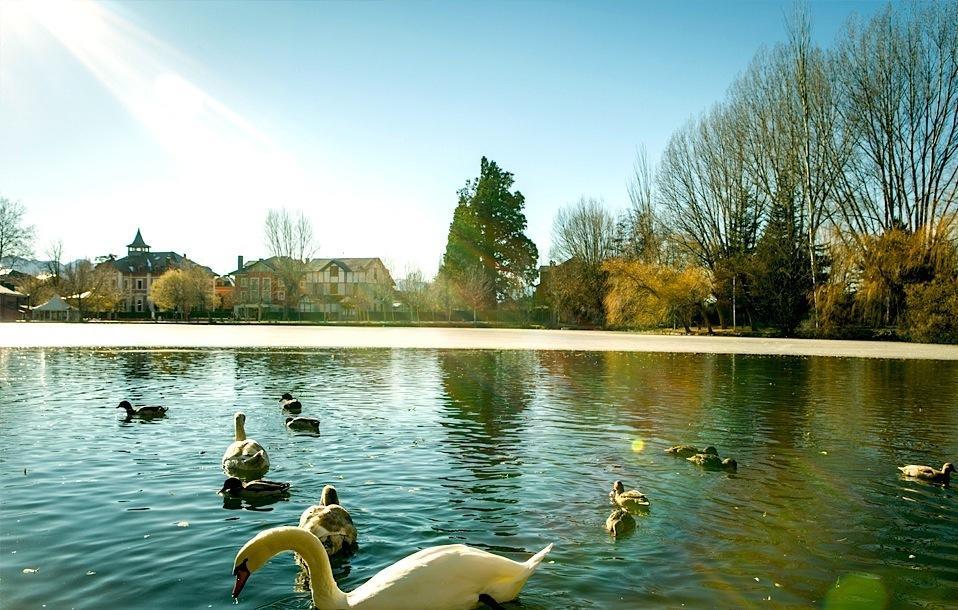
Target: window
<point>243,282</point>
<point>334,271</point>
<point>281,296</point>
<point>254,289</point>
<point>243,296</point>
<point>139,302</point>
<point>334,289</point>
<point>267,285</point>
<point>139,285</point>
<point>126,284</point>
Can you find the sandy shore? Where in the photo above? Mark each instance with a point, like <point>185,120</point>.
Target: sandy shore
<point>279,336</point>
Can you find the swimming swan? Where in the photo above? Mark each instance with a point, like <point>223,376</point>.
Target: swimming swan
<point>331,523</point>
<point>244,458</point>
<point>450,577</point>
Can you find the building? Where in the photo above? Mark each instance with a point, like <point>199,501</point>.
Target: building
<point>11,304</point>
<point>56,310</point>
<point>135,273</point>
<point>344,287</point>
<point>332,288</point>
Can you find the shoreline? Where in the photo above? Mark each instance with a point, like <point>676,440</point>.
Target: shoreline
<point>183,336</point>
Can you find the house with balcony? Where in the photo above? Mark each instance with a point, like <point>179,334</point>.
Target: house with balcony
<point>135,273</point>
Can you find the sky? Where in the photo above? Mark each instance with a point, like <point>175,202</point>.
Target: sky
<point>189,120</point>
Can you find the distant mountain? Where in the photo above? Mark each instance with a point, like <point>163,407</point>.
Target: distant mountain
<point>29,265</point>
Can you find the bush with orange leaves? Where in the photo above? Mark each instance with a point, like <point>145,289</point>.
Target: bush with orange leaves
<point>644,294</point>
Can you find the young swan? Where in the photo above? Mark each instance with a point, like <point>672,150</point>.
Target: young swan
<point>690,450</point>
<point>244,458</point>
<point>927,473</point>
<point>142,411</point>
<point>629,500</point>
<point>331,523</point>
<point>450,577</point>
<point>619,523</point>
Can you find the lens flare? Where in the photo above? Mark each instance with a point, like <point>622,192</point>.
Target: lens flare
<point>638,445</point>
<point>857,591</point>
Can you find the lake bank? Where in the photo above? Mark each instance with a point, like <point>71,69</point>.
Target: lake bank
<point>283,336</point>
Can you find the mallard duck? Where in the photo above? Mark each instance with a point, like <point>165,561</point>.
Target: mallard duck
<point>629,500</point>
<point>290,404</point>
<point>690,450</point>
<point>927,473</point>
<point>141,411</point>
<point>244,458</point>
<point>254,489</point>
<point>450,577</point>
<point>620,522</point>
<point>713,462</point>
<point>303,424</point>
<point>331,523</point>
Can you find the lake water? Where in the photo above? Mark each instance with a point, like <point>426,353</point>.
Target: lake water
<point>504,450</point>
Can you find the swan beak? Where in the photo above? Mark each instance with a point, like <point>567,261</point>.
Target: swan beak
<point>241,573</point>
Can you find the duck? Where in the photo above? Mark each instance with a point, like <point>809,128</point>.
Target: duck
<point>713,462</point>
<point>303,424</point>
<point>244,458</point>
<point>141,411</point>
<point>629,500</point>
<point>331,523</point>
<point>690,450</point>
<point>254,489</point>
<point>290,404</point>
<point>927,473</point>
<point>619,523</point>
<point>448,577</point>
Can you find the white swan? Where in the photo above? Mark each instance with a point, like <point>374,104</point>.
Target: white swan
<point>244,458</point>
<point>450,577</point>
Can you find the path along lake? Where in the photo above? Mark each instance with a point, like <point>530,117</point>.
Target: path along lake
<point>504,450</point>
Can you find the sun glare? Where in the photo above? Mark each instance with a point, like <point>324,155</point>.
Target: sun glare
<point>69,21</point>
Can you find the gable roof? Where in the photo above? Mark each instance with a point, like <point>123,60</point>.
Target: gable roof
<point>54,304</point>
<point>151,262</point>
<point>8,292</point>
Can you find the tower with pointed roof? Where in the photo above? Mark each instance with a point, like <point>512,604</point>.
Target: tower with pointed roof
<point>138,245</point>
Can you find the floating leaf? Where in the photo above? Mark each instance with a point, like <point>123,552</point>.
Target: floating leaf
<point>30,570</point>
<point>182,524</point>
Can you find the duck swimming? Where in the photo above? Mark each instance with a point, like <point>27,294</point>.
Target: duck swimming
<point>629,500</point>
<point>290,404</point>
<point>303,424</point>
<point>254,489</point>
<point>141,411</point>
<point>690,450</point>
<point>449,577</point>
<point>620,522</point>
<point>927,473</point>
<point>330,523</point>
<point>713,462</point>
<point>244,458</point>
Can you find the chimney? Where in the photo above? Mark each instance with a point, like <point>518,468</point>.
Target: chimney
<point>239,261</point>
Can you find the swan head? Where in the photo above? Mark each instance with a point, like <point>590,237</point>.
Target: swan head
<point>232,485</point>
<point>710,450</point>
<point>618,487</point>
<point>240,417</point>
<point>330,496</point>
<point>286,396</point>
<point>264,545</point>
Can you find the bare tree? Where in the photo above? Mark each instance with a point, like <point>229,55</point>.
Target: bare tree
<point>54,254</point>
<point>15,236</point>
<point>638,232</point>
<point>585,231</point>
<point>89,288</point>
<point>290,239</point>
<point>414,291</point>
<point>473,287</point>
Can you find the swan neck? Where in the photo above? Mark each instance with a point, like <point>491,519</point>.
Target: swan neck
<point>326,593</point>
<point>240,430</point>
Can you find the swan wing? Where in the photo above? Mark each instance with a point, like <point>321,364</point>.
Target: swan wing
<point>450,577</point>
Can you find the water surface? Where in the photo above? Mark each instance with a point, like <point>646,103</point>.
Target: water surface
<point>504,450</point>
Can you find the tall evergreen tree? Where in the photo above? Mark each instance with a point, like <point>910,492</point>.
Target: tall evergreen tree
<point>488,232</point>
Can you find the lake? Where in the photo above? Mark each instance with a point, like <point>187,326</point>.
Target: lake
<point>503,450</point>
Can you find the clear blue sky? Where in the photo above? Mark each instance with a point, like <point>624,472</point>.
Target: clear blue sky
<point>190,119</point>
